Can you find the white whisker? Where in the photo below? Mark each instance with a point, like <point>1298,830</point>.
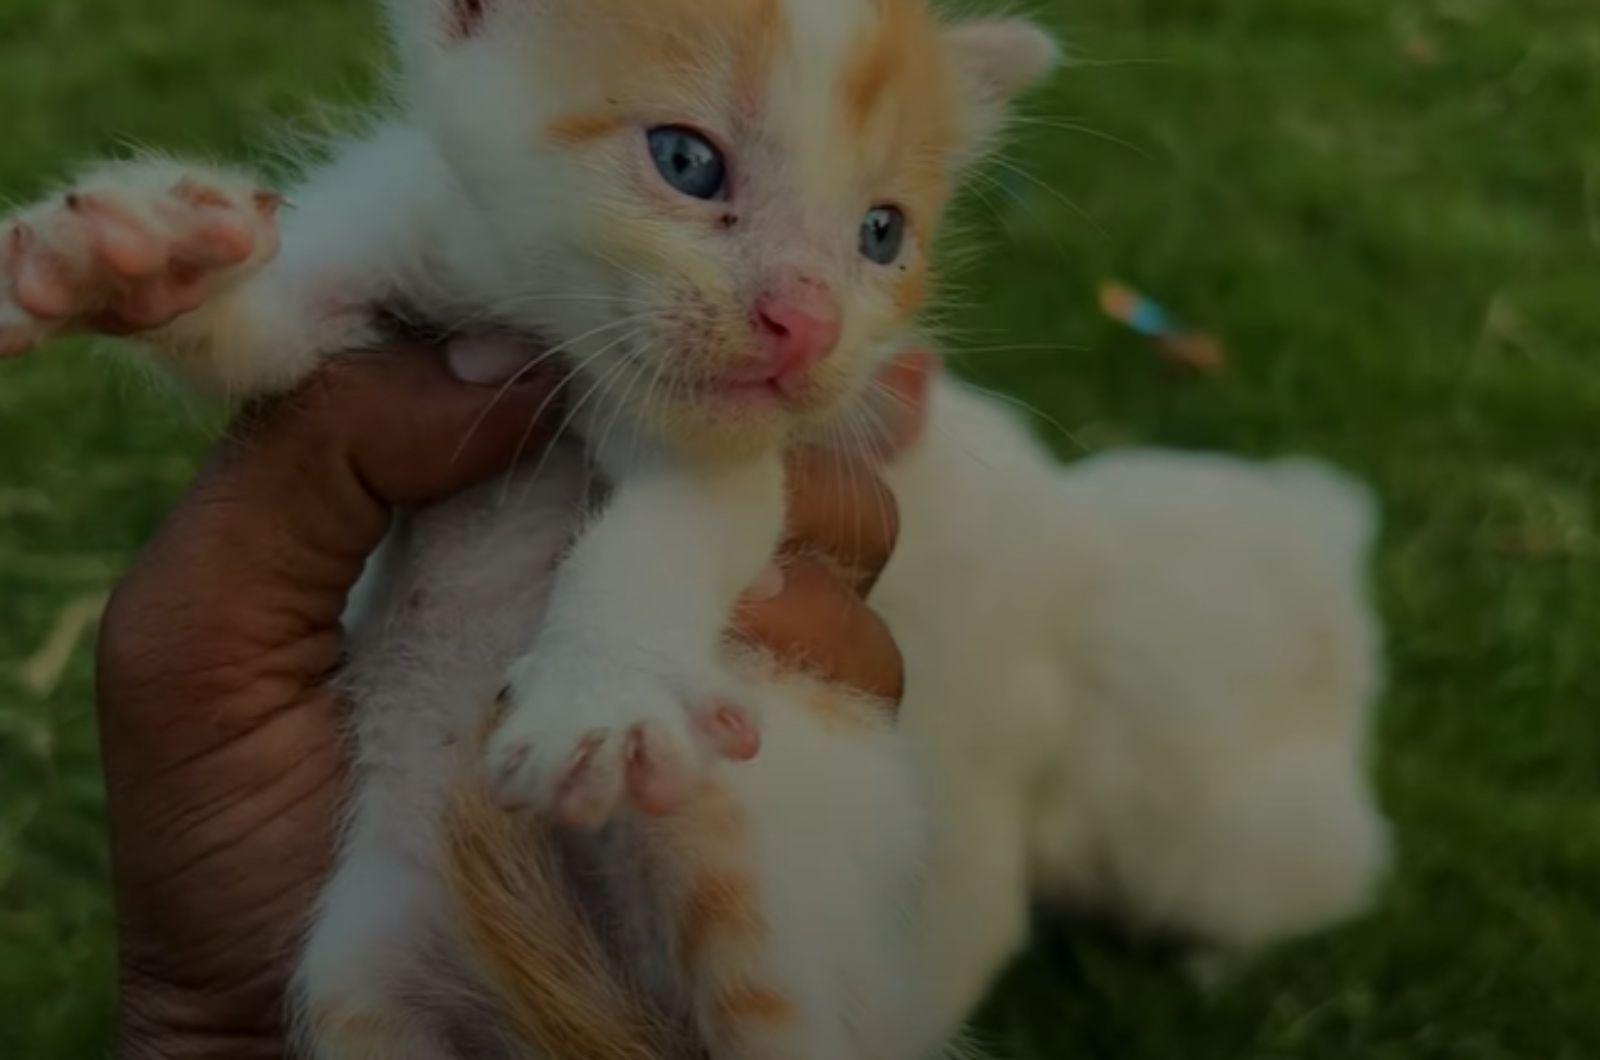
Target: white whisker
<point>522,373</point>
<point>1011,167</point>
<point>1067,125</point>
<point>597,385</point>
<point>538,414</point>
<point>1032,410</point>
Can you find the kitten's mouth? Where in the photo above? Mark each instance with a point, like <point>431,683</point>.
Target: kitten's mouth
<point>753,394</point>
<point>760,384</point>
<point>750,393</point>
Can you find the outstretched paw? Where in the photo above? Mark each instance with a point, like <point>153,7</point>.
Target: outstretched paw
<point>129,249</point>
<point>580,746</point>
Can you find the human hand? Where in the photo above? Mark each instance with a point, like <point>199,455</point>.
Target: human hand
<point>221,737</point>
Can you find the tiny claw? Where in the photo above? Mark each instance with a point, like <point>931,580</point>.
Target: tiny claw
<point>196,194</point>
<point>578,762</point>
<point>584,799</point>
<point>505,791</point>
<point>268,202</point>
<point>20,239</point>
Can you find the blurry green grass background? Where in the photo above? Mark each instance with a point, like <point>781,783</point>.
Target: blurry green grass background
<point>1390,212</point>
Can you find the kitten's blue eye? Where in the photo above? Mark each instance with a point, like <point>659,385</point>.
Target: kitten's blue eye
<point>883,234</point>
<point>688,161</point>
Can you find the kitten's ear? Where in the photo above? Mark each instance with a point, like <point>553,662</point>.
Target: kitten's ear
<point>437,21</point>
<point>996,60</point>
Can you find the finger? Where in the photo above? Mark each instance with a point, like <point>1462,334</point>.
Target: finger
<point>408,428</point>
<point>281,520</point>
<point>900,399</point>
<point>326,464</point>
<point>818,624</point>
<point>841,513</point>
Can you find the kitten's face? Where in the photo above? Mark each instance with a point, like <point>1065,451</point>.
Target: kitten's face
<point>726,205</point>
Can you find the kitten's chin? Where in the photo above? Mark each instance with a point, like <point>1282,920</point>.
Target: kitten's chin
<point>713,432</point>
<point>738,422</point>
<point>723,420</point>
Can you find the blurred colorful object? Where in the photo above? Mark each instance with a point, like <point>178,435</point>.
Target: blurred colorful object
<point>1186,349</point>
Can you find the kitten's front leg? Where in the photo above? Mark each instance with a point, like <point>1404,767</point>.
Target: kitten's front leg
<point>129,248</point>
<point>189,260</point>
<point>625,691</point>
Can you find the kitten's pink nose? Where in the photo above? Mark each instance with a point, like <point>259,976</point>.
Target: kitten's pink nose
<point>799,322</point>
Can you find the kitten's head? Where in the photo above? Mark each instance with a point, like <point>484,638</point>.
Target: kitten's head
<point>724,209</point>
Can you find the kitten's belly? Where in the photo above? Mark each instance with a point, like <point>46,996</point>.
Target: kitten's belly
<point>458,594</point>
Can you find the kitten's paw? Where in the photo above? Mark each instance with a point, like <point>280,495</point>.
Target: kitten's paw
<point>130,248</point>
<point>580,745</point>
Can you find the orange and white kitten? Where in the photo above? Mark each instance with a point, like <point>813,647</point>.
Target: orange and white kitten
<point>718,214</point>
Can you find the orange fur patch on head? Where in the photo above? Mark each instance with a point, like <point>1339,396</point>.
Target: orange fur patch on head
<point>898,99</point>
<point>763,30</point>
<point>898,69</point>
<point>911,291</point>
<point>573,130</point>
<point>666,49</point>
<point>877,59</point>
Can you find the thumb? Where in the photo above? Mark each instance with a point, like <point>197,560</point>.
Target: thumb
<point>313,477</point>
<point>416,427</point>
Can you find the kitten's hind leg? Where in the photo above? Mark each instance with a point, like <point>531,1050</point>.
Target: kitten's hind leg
<point>793,885</point>
<point>351,996</point>
<point>724,939</point>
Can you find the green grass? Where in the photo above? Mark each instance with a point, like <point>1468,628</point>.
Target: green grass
<point>1389,209</point>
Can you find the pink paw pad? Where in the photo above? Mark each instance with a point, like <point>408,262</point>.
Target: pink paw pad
<point>125,245</point>
<point>658,778</point>
<point>730,730</point>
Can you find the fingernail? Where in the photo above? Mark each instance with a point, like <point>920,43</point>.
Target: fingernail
<point>768,584</point>
<point>487,361</point>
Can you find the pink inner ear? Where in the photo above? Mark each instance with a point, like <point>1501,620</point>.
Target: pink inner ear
<point>466,17</point>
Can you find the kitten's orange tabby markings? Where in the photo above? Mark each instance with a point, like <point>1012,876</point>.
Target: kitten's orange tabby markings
<point>571,130</point>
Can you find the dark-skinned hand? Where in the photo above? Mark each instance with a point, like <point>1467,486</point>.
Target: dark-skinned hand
<point>221,736</point>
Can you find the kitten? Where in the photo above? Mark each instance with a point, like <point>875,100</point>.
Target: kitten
<point>728,209</point>
<point>719,214</point>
